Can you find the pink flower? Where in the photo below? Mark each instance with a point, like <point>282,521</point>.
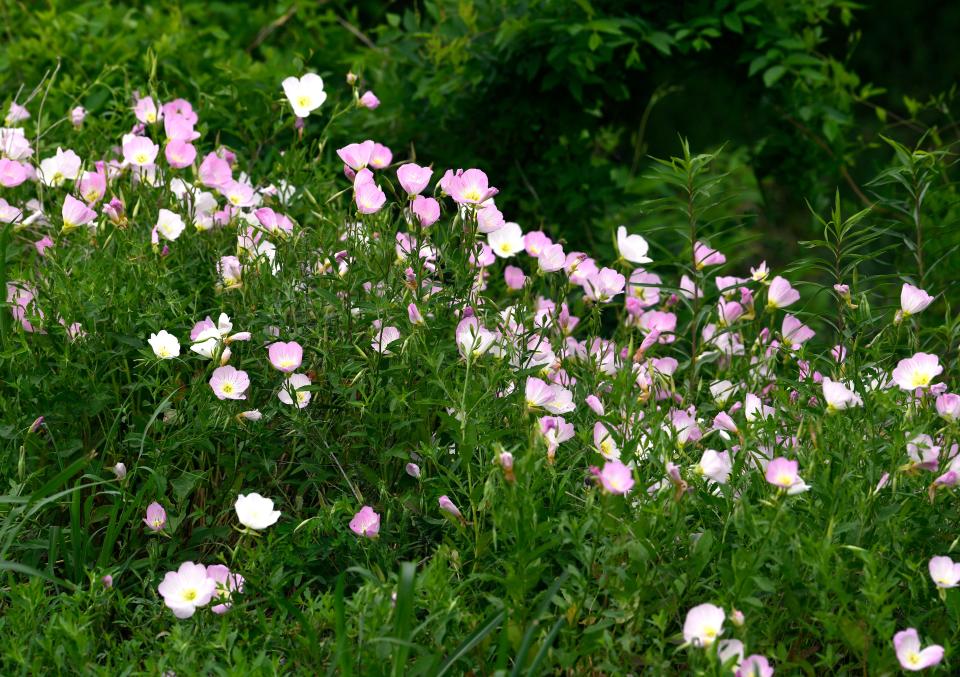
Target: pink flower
<point>156,518</point>
<point>230,271</point>
<point>92,186</point>
<point>179,153</point>
<point>783,473</point>
<point>535,242</point>
<point>715,465</point>
<point>781,294</point>
<point>275,224</point>
<point>383,337</point>
<point>704,256</point>
<point>616,478</point>
<point>380,156</point>
<point>912,301</point>
<point>554,430</point>
<point>21,297</point>
<point>514,278</point>
<point>413,470</point>
<point>229,383</point>
<point>923,453</point>
<point>413,314</point>
<point>426,209</point>
<point>43,244</point>
<point>948,406</point>
<point>179,128</point>
<point>448,506</point>
<point>182,108</point>
<point>552,258</point>
<point>369,198</point>
<point>944,572</point>
<point>187,589</point>
<point>369,100</point>
<point>838,396</point>
<point>604,443</point>
<point>146,111</point>
<point>366,523</point>
<point>795,332</point>
<point>16,113</point>
<point>107,581</point>
<point>413,178</point>
<point>139,151</point>
<point>12,173</point>
<point>906,643</point>
<point>75,214</point>
<point>703,625</point>
<point>215,171</point>
<point>470,187</point>
<point>226,584</point>
<point>603,285</point>
<point>356,155</point>
<point>489,219</point>
<point>595,404</point>
<point>916,372</point>
<point>293,387</point>
<point>754,666</point>
<point>286,357</point>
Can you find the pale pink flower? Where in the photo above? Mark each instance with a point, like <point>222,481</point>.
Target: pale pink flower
<point>948,407</point>
<point>16,113</point>
<point>705,256</point>
<point>43,244</point>
<point>754,665</point>
<point>783,473</point>
<point>413,314</point>
<point>169,225</point>
<point>781,294</point>
<point>472,338</point>
<point>63,166</point>
<point>470,188</point>
<point>703,625</point>
<point>146,111</point>
<point>912,301</point>
<point>275,223</point>
<point>795,332</point>
<point>489,219</point>
<point>156,518</point>
<point>356,156</point>
<point>715,465</point>
<point>369,198</point>
<point>595,404</point>
<point>182,108</point>
<point>13,173</point>
<point>615,478</point>
<point>366,523</point>
<point>554,430</point>
<point>187,589</point>
<point>551,258</point>
<point>413,178</point>
<point>369,100</point>
<point>92,186</point>
<point>603,285</point>
<point>604,443</point>
<point>839,396</point>
<point>426,209</point>
<point>139,151</point>
<point>912,657</point>
<point>215,171</point>
<point>632,248</point>
<point>923,453</point>
<point>75,214</point>
<point>383,337</point>
<point>285,357</point>
<point>944,572</point>
<point>179,154</point>
<point>514,277</point>
<point>229,383</point>
<point>448,506</point>
<point>413,470</point>
<point>179,128</point>
<point>916,372</point>
<point>380,156</point>
<point>535,242</point>
<point>230,271</point>
<point>227,583</point>
<point>293,387</point>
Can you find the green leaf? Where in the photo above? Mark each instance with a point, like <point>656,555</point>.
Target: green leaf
<point>772,74</point>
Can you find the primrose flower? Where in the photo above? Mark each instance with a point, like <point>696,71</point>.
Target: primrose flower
<point>916,372</point>
<point>632,248</point>
<point>615,478</point>
<point>229,383</point>
<point>230,271</point>
<point>704,256</point>
<point>187,589</point>
<point>305,93</point>
<point>470,188</point>
<point>77,116</point>
<point>489,218</point>
<point>369,198</point>
<point>555,431</point>
<point>369,100</point>
<point>169,225</point>
<point>179,154</point>
<point>380,156</point>
<point>906,643</point>
<point>92,186</point>
<point>366,523</point>
<point>13,173</point>
<point>783,473</point>
<point>754,665</point>
<point>795,332</point>
<point>923,453</point>
<point>506,241</point>
<point>514,278</point>
<point>356,156</point>
<point>427,209</point>
<point>285,356</point>
<point>227,583</point>
<point>215,171</point>
<point>551,258</point>
<point>75,214</point>
<point>293,387</point>
<point>604,443</point>
<point>413,470</point>
<point>255,511</point>
<point>164,345</point>
<point>715,466</point>
<point>721,391</point>
<point>838,396</point>
<point>472,338</point>
<point>781,294</point>
<point>912,301</point>
<point>603,285</point>
<point>703,625</point>
<point>944,572</point>
<point>63,166</point>
<point>14,144</point>
<point>948,407</point>
<point>139,151</point>
<point>120,470</point>
<point>16,113</point>
<point>760,273</point>
<point>146,110</point>
<point>156,518</point>
<point>448,506</point>
<point>413,178</point>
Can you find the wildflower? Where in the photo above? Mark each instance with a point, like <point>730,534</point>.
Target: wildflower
<point>230,271</point>
<point>146,110</point>
<point>179,154</point>
<point>948,407</point>
<point>305,93</point>
<point>139,151</point>
<point>754,666</point>
<point>704,256</point>
<point>413,178</point>
<point>156,518</point>
<point>721,391</point>
<point>380,156</point>
<point>781,294</point>
<point>604,443</point>
<point>923,453</point>
<point>505,459</point>
<point>65,165</point>
<point>16,113</point>
<point>489,218</point>
<point>165,345</point>
<point>760,273</point>
<point>944,572</point>
<point>215,171</point>
<point>285,356</point>
<point>916,372</point>
<point>187,589</point>
<point>169,225</point>
<point>470,188</point>
<point>369,198</point>
<point>615,478</point>
<point>555,431</point>
<point>13,173</point>
<point>120,470</point>
<point>107,581</point>
<point>783,473</point>
<point>75,214</point>
<point>256,512</point>
<point>795,332</point>
<point>356,155</point>
<point>250,415</point>
<point>77,116</point>
<point>448,506</point>
<point>351,78</point>
<point>92,186</point>
<point>737,618</point>
<point>906,643</point>
<point>472,338</point>
<point>366,523</point>
<point>227,583</point>
<point>912,301</point>
<point>595,404</point>
<point>632,248</point>
<point>413,470</point>
<point>293,388</point>
<point>703,625</point>
<point>369,100</point>
<point>603,285</point>
<point>715,466</point>
<point>383,337</point>
<point>229,383</point>
<point>513,277</point>
<point>838,396</point>
<point>426,209</point>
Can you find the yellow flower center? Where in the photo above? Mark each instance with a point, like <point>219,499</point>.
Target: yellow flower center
<point>919,379</point>
<point>227,388</point>
<point>141,158</point>
<point>151,117</point>
<point>303,101</point>
<point>784,480</point>
<point>913,658</point>
<point>189,594</point>
<point>473,195</point>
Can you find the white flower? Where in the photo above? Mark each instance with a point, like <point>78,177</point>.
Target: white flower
<point>169,225</point>
<point>186,589</point>
<point>703,625</point>
<point>944,572</point>
<point>305,94</point>
<point>633,248</point>
<point>839,396</point>
<point>506,241</point>
<point>292,388</point>
<point>715,466</point>
<point>59,168</point>
<point>165,345</point>
<point>721,391</point>
<point>256,512</point>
